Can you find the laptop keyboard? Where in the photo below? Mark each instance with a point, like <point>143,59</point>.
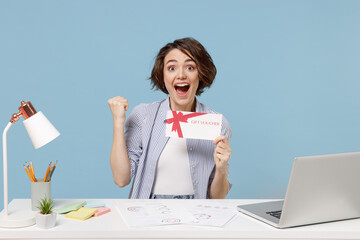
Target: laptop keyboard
<point>276,214</point>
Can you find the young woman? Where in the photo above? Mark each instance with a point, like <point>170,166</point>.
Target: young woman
<point>163,167</point>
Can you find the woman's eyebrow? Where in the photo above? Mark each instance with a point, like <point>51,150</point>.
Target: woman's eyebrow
<point>189,60</point>
<point>171,60</point>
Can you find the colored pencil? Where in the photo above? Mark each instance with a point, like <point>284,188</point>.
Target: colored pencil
<point>47,172</point>
<point>28,173</point>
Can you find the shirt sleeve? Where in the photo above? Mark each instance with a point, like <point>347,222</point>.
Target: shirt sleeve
<point>225,131</point>
<point>133,137</point>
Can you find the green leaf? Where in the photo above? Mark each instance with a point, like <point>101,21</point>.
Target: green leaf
<point>46,205</point>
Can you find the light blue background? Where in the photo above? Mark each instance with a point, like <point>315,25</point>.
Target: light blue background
<point>288,82</point>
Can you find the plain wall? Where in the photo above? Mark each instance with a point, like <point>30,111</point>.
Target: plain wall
<point>288,82</point>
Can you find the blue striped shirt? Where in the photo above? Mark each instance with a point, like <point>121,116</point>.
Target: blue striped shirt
<point>145,140</point>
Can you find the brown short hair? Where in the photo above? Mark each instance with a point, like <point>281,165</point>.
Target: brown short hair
<point>197,52</point>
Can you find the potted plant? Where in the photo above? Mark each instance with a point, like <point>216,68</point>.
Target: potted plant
<point>46,218</point>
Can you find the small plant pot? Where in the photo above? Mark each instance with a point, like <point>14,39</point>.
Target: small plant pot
<point>45,221</point>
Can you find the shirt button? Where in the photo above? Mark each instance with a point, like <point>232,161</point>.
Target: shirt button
<point>190,149</point>
<point>193,166</point>
<point>194,184</point>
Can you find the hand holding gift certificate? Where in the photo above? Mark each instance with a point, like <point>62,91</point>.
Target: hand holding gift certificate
<point>195,125</point>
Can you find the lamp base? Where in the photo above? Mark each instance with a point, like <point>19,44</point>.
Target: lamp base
<point>17,219</point>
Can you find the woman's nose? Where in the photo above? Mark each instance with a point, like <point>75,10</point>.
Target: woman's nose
<point>181,74</point>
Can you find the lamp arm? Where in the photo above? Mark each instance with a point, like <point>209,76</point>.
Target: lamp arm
<point>5,168</point>
<point>15,117</point>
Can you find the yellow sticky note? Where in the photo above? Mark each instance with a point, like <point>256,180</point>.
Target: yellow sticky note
<point>82,213</point>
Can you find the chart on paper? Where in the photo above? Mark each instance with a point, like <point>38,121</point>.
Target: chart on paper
<point>155,213</point>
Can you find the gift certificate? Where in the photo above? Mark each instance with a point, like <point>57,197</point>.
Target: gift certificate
<point>193,125</point>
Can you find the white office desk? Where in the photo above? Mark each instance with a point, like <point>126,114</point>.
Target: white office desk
<point>111,226</point>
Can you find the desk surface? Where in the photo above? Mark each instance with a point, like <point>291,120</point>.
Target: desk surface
<point>111,226</point>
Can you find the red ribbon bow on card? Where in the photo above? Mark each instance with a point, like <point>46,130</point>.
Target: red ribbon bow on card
<point>180,117</point>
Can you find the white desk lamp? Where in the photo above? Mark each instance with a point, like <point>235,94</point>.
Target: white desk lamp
<point>41,132</point>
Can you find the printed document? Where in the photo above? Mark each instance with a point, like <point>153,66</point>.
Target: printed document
<point>193,212</point>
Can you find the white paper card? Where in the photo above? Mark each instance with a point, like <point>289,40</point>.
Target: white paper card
<point>213,214</point>
<point>193,125</point>
<point>148,213</point>
<point>152,213</point>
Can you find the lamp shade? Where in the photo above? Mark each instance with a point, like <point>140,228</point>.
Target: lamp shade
<point>40,130</point>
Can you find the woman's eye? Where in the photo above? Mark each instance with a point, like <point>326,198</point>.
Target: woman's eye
<point>190,68</point>
<point>171,68</point>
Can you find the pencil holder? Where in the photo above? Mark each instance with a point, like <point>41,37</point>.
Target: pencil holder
<point>39,190</point>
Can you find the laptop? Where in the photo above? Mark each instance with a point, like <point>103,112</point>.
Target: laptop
<point>321,189</point>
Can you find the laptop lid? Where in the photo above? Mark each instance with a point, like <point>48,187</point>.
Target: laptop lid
<point>322,188</point>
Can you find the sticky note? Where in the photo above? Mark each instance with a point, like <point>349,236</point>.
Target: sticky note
<point>70,207</point>
<point>82,213</point>
<point>94,203</point>
<point>101,211</point>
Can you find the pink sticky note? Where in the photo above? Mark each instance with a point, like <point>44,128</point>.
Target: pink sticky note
<point>193,125</point>
<point>101,211</point>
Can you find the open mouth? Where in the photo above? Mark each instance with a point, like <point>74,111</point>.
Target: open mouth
<point>182,89</point>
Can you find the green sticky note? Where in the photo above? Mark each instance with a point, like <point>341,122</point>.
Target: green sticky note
<point>70,207</point>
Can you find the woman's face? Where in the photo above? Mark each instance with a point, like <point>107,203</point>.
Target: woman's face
<point>181,78</point>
